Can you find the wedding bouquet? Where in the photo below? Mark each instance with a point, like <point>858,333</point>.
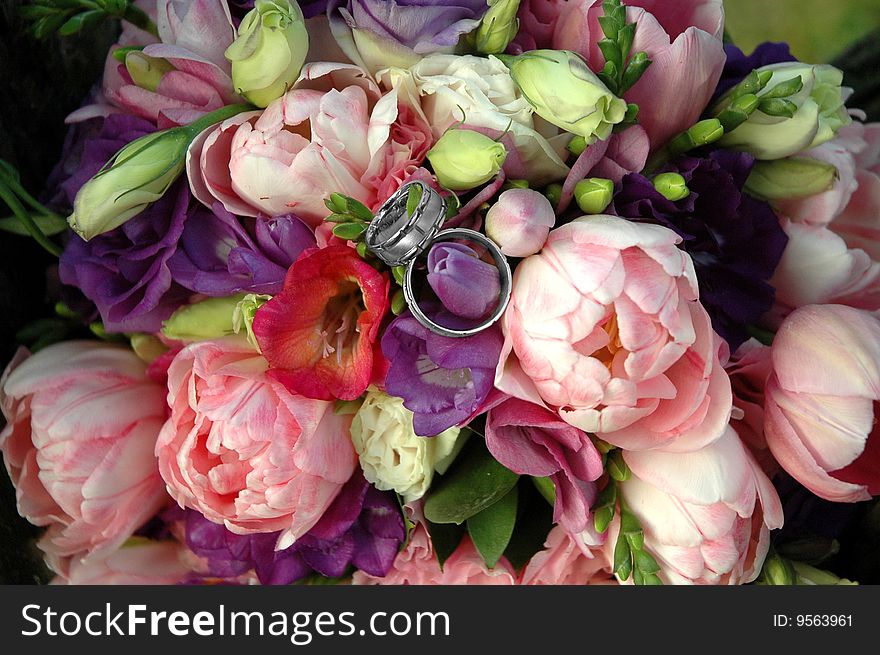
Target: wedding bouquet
<point>446,292</point>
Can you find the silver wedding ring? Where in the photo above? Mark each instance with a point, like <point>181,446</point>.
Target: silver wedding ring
<point>398,237</point>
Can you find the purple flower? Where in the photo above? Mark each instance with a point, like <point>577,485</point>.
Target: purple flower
<point>442,380</point>
<point>380,33</point>
<point>125,271</point>
<point>217,256</point>
<point>738,65</point>
<point>363,528</point>
<point>466,285</point>
<point>734,240</point>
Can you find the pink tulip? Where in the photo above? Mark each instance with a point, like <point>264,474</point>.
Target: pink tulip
<point>565,560</point>
<point>683,40</point>
<point>139,562</point>
<point>604,327</point>
<point>520,221</point>
<point>749,369</point>
<point>417,564</point>
<point>243,450</point>
<point>706,515</point>
<point>192,39</point>
<point>531,440</point>
<point>82,424</point>
<point>822,401</point>
<point>333,132</point>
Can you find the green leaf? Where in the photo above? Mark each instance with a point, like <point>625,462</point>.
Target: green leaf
<point>475,482</point>
<point>358,210</point>
<point>491,529</point>
<point>609,26</point>
<point>349,231</point>
<point>48,24</point>
<point>534,520</point>
<point>81,21</point>
<point>625,38</point>
<point>336,203</point>
<point>48,224</point>
<point>43,332</point>
<point>413,197</point>
<point>611,51</point>
<point>634,71</point>
<point>445,538</point>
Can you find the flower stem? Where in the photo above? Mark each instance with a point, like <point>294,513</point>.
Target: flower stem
<point>12,201</point>
<point>217,116</point>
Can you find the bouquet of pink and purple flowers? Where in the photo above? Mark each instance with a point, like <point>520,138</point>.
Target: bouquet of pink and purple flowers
<point>447,292</point>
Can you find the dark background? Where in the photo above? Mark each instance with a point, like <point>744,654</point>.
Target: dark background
<point>43,81</point>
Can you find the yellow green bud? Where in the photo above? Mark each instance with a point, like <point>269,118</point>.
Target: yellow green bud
<point>208,319</point>
<point>138,175</point>
<point>146,72</point>
<point>553,193</point>
<point>672,186</point>
<point>793,177</point>
<point>147,346</point>
<point>564,91</point>
<point>464,159</point>
<point>498,27</point>
<point>269,51</point>
<point>244,313</point>
<point>594,194</point>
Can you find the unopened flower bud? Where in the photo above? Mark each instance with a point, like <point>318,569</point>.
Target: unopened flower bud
<point>672,186</point>
<point>146,72</point>
<point>208,319</point>
<point>520,221</point>
<point>594,194</point>
<point>269,51</point>
<point>464,159</point>
<point>553,192</point>
<point>498,27</point>
<point>138,175</point>
<point>811,576</point>
<point>777,571</point>
<point>793,177</point>
<point>564,91</point>
<point>244,313</point>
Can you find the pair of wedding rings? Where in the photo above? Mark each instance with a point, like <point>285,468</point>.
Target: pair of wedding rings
<point>398,236</point>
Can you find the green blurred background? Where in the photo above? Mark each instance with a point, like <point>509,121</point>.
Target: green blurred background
<point>818,30</point>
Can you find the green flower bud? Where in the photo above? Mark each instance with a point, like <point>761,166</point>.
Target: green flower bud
<point>793,114</point>
<point>577,145</point>
<point>793,177</point>
<point>269,51</point>
<point>498,27</point>
<point>809,575</point>
<point>671,186</point>
<point>777,571</point>
<point>138,175</point>
<point>147,346</point>
<point>516,184</point>
<point>208,319</point>
<point>547,488</point>
<point>244,313</point>
<point>464,159</point>
<point>553,193</point>
<point>564,91</point>
<point>594,194</point>
<point>146,72</point>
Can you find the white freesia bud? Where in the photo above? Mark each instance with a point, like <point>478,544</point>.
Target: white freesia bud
<point>391,455</point>
<point>564,91</point>
<point>820,113</point>
<point>138,175</point>
<point>269,51</point>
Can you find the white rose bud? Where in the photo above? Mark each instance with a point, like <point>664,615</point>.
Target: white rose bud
<point>392,456</point>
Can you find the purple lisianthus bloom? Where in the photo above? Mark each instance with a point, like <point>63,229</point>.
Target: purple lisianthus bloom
<point>734,240</point>
<point>381,33</point>
<point>738,65</point>
<point>363,527</point>
<point>443,380</point>
<point>217,256</point>
<point>125,271</point>
<point>466,285</point>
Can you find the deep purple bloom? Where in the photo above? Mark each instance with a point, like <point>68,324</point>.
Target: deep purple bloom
<point>217,256</point>
<point>363,528</point>
<point>466,285</point>
<point>310,8</point>
<point>125,271</point>
<point>735,241</point>
<point>442,380</point>
<point>398,26</point>
<point>738,65</point>
<point>87,147</point>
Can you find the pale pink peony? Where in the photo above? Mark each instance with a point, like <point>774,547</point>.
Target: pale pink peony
<point>138,562</point>
<point>565,560</point>
<point>604,327</point>
<point>706,515</point>
<point>333,132</point>
<point>823,401</point>
<point>83,419</point>
<point>417,565</point>
<point>520,221</point>
<point>833,255</point>
<point>243,450</point>
<point>682,38</point>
